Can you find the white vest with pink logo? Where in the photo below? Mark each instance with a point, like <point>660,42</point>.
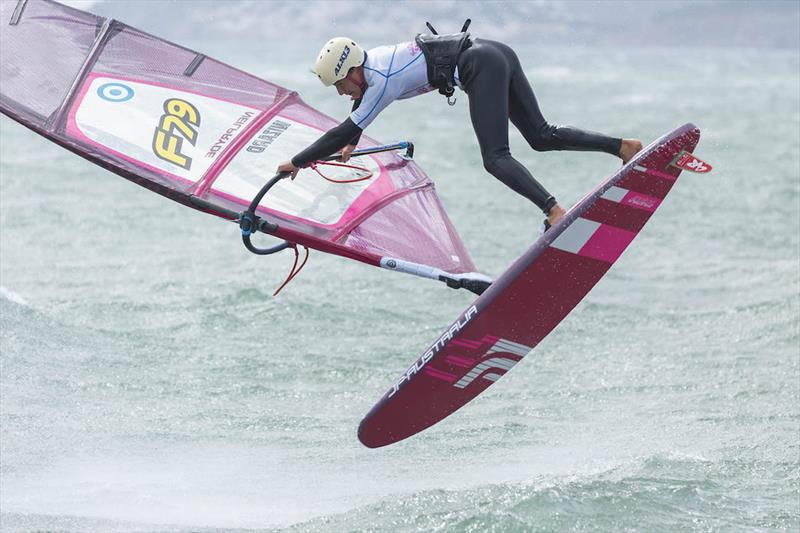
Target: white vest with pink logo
<point>392,73</point>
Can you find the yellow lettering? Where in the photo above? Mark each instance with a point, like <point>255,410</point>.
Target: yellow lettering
<point>169,123</point>
<point>182,109</point>
<point>175,125</point>
<point>167,147</point>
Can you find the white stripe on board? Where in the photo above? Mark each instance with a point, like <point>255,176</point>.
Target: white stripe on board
<point>615,194</point>
<point>576,235</point>
<point>511,347</point>
<point>495,362</point>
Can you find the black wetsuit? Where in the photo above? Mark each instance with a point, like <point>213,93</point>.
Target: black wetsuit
<point>491,75</point>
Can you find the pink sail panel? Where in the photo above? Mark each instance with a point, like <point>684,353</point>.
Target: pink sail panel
<point>189,127</point>
<point>530,299</point>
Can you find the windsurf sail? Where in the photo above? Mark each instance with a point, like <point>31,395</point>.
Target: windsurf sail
<point>209,136</point>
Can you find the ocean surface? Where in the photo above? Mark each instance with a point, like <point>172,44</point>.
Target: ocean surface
<point>150,382</point>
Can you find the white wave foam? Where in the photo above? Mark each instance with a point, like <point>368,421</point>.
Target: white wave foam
<point>12,296</point>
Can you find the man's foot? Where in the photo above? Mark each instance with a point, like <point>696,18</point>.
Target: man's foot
<point>630,147</point>
<point>555,214</point>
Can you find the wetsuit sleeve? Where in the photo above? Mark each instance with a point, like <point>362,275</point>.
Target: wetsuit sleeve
<point>333,140</point>
<point>354,140</point>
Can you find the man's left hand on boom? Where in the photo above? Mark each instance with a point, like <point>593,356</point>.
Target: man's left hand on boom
<point>345,71</point>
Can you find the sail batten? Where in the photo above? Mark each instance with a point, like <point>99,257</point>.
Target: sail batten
<point>205,183</point>
<point>56,120</point>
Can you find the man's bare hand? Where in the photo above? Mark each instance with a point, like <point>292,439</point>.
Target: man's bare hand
<point>346,151</point>
<point>287,166</point>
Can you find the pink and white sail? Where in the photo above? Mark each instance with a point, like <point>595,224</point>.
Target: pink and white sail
<point>187,126</point>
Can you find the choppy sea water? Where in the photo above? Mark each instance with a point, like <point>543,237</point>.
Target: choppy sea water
<point>151,383</point>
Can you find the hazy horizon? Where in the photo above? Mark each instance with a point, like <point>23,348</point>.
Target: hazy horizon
<point>711,23</point>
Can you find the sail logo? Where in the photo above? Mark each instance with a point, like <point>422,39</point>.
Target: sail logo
<point>230,133</point>
<point>267,136</point>
<point>345,53</point>
<point>179,123</point>
<point>115,92</point>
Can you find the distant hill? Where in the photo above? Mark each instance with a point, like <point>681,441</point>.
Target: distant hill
<point>718,23</point>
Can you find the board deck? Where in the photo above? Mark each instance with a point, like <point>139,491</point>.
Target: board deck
<point>532,297</point>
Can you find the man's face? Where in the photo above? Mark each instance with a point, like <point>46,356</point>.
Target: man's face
<point>348,87</point>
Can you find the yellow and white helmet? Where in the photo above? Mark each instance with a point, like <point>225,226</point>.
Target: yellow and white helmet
<point>336,58</point>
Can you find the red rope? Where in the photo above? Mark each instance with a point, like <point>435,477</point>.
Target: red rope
<point>293,272</point>
<point>345,165</point>
<point>295,269</point>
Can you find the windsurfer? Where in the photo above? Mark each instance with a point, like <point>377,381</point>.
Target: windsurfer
<point>491,75</point>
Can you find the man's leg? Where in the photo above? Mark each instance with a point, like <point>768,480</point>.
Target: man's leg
<point>525,114</point>
<point>486,75</point>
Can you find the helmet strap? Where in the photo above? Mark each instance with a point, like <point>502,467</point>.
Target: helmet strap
<point>356,75</point>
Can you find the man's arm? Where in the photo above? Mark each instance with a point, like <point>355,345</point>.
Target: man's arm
<point>333,140</point>
<point>354,140</point>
